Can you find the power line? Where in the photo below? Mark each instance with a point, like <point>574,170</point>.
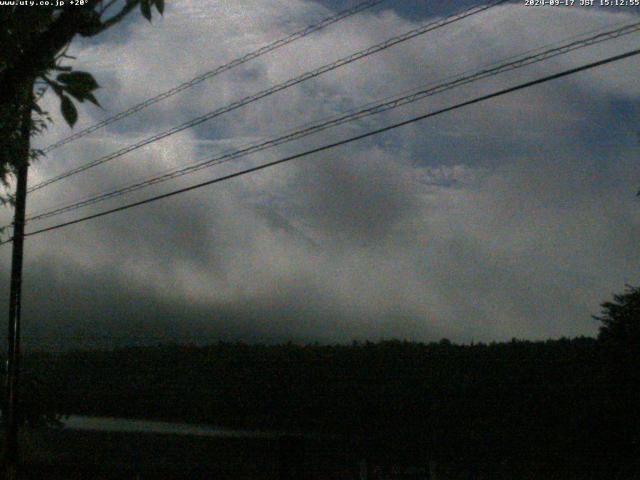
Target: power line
<point>277,88</point>
<point>218,70</point>
<point>482,98</point>
<point>384,106</point>
<point>294,81</point>
<point>379,108</point>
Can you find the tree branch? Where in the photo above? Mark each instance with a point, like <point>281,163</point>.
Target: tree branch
<point>36,58</point>
<point>117,17</point>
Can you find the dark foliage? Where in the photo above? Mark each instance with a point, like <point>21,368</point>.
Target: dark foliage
<point>621,319</point>
<point>34,43</point>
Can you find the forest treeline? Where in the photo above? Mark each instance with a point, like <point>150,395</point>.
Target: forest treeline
<point>568,403</point>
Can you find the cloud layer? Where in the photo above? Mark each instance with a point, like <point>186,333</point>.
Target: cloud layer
<point>514,217</point>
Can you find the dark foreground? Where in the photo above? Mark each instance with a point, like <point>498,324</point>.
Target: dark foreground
<point>565,409</point>
<point>67,454</point>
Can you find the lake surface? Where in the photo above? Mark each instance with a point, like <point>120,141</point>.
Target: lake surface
<point>110,424</point>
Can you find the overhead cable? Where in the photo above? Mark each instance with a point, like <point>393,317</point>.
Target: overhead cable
<point>218,70</point>
<point>270,91</point>
<point>356,115</point>
<point>378,131</point>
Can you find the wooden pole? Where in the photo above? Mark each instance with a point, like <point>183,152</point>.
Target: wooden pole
<point>11,453</point>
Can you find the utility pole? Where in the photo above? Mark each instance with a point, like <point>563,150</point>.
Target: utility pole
<point>13,352</point>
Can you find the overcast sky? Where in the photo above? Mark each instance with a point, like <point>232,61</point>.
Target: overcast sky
<point>515,217</point>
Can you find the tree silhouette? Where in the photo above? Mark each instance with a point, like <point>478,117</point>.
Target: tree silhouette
<point>34,43</point>
<point>621,319</point>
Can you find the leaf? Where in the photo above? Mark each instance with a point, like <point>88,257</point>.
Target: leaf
<point>81,81</point>
<point>92,99</point>
<point>145,8</point>
<point>69,111</point>
<point>80,94</point>
<point>160,6</point>
<point>35,107</point>
<point>79,85</point>
<point>91,24</point>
